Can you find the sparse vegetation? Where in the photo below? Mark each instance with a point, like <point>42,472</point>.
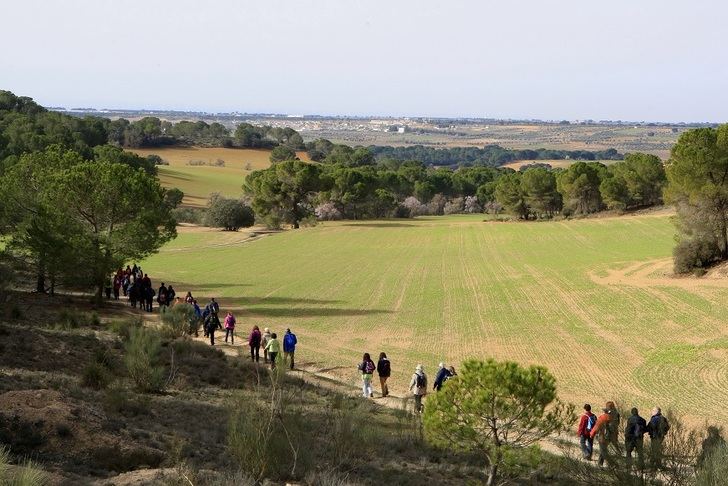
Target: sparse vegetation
<point>142,359</point>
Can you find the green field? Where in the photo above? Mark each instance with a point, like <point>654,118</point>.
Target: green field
<point>585,298</point>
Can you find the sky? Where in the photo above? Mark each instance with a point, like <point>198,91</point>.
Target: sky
<point>653,60</point>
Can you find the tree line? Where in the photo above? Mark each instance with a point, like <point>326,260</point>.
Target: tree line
<point>291,191</point>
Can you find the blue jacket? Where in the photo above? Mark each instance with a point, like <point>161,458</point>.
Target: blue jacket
<point>289,342</point>
<point>441,378</point>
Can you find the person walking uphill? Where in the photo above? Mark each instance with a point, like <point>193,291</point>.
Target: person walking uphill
<point>418,385</point>
<point>289,346</point>
<point>634,434</point>
<point>384,369</point>
<point>273,348</point>
<point>254,343</point>
<point>441,377</point>
<point>230,327</point>
<point>586,425</point>
<point>367,368</point>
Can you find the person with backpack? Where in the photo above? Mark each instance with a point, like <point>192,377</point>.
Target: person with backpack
<point>586,425</point>
<point>162,295</point>
<point>171,294</point>
<point>264,343</point>
<point>441,377</point>
<point>418,386</point>
<point>230,327</point>
<point>657,429</point>
<point>198,317</point>
<point>289,346</point>
<point>254,343</point>
<point>273,348</point>
<point>601,432</point>
<point>367,368</point>
<point>634,434</point>
<point>384,369</point>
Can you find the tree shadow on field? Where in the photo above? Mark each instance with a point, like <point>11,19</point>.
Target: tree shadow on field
<point>310,312</point>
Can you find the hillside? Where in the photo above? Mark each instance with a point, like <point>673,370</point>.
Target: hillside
<point>578,297</point>
<point>199,181</point>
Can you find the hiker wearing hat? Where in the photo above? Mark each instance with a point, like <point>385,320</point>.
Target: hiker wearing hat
<point>603,431</point>
<point>254,342</point>
<point>289,346</point>
<point>442,375</point>
<point>264,342</point>
<point>418,385</point>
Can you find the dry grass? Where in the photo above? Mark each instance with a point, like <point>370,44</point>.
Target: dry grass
<point>199,181</point>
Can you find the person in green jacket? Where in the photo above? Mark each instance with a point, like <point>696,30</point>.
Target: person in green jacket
<point>274,348</point>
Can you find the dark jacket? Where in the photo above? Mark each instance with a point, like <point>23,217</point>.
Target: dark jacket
<point>384,368</point>
<point>441,378</point>
<point>254,339</point>
<point>289,342</point>
<point>635,429</point>
<point>658,427</point>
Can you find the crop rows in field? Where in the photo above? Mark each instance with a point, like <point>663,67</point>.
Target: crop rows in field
<point>448,288</point>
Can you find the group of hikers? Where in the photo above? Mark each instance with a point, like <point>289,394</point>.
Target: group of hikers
<point>136,285</point>
<point>605,428</point>
<point>418,384</point>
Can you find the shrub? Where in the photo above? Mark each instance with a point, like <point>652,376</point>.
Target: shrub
<point>694,253</point>
<point>179,321</point>
<point>471,205</point>
<point>413,207</point>
<point>73,319</point>
<point>190,215</point>
<point>96,376</point>
<point>142,360</point>
<point>28,474</point>
<point>229,214</point>
<point>454,207</point>
<point>124,328</point>
<point>117,399</point>
<point>714,468</point>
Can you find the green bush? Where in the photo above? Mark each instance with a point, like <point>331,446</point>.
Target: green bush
<point>714,469</point>
<point>142,360</point>
<point>190,215</point>
<point>691,254</point>
<point>27,474</point>
<point>123,328</point>
<point>96,376</point>
<point>179,321</point>
<point>72,319</point>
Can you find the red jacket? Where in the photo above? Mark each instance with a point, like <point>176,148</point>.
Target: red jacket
<point>581,431</point>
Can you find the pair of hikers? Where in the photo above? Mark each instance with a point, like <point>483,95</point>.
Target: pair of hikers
<point>605,429</point>
<point>271,346</point>
<point>367,369</point>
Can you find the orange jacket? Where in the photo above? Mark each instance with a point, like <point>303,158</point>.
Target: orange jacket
<point>601,426</point>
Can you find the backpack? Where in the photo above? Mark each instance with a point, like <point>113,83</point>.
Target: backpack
<point>591,421</point>
<point>369,367</point>
<point>420,380</point>
<point>384,368</point>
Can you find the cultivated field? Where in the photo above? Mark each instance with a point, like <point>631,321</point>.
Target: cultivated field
<point>589,299</point>
<point>199,181</point>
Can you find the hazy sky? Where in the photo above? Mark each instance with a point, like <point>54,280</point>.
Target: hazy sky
<point>571,59</point>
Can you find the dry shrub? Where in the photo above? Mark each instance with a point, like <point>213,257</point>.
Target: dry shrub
<point>142,360</point>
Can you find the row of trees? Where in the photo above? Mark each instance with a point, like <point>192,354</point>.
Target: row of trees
<point>490,155</point>
<point>583,188</point>
<point>291,191</point>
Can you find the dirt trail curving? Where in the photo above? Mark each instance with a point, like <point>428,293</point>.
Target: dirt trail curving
<point>657,273</point>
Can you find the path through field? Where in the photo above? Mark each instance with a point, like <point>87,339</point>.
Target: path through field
<point>574,296</point>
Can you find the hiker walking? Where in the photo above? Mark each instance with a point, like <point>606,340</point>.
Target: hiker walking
<point>384,369</point>
<point>118,278</point>
<point>264,343</point>
<point>188,298</point>
<point>418,386</point>
<point>601,431</point>
<point>586,425</point>
<point>148,298</point>
<point>367,368</point>
<point>634,434</point>
<point>198,318</point>
<point>162,296</point>
<point>273,348</point>
<point>171,294</point>
<point>657,428</point>
<point>441,377</point>
<point>254,342</point>
<point>289,346</point>
<point>230,327</point>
